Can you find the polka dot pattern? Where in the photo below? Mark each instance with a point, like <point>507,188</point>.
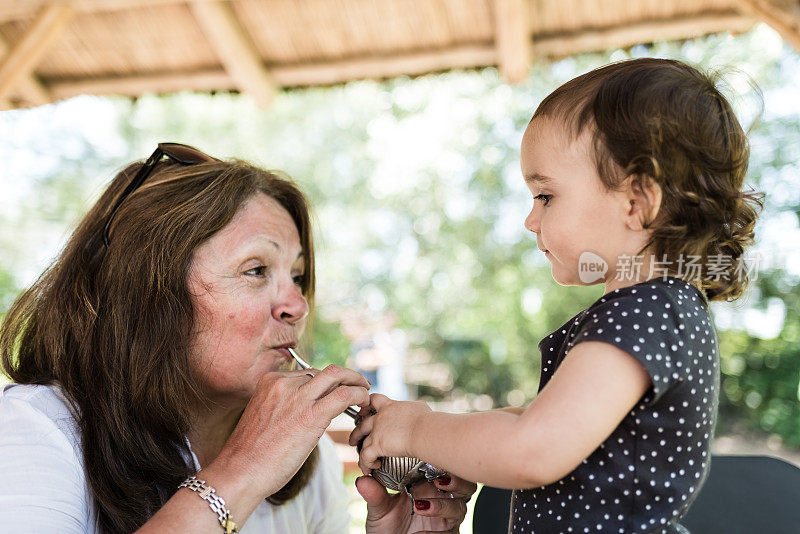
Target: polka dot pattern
<point>646,474</point>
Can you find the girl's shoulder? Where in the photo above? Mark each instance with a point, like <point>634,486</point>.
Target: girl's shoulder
<point>664,324</point>
<point>668,304</point>
<point>657,314</point>
<point>666,293</point>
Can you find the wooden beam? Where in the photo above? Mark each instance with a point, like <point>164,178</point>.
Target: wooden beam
<point>512,38</point>
<point>25,54</point>
<point>467,56</point>
<point>25,9</point>
<point>644,32</point>
<point>137,85</point>
<point>783,18</point>
<point>327,73</point>
<point>235,50</point>
<point>29,89</point>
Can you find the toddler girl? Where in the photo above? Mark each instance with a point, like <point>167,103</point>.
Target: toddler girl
<point>636,171</point>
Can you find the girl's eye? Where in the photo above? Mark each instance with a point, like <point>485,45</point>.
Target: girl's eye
<point>261,270</point>
<point>299,279</point>
<point>544,198</point>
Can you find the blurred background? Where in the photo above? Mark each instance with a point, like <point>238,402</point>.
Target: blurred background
<point>427,281</point>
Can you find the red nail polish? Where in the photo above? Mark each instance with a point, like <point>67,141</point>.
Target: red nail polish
<point>444,480</point>
<point>422,504</point>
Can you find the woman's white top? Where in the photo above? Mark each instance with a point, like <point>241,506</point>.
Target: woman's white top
<point>43,487</point>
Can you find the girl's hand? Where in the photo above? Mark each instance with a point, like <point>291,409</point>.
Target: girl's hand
<point>386,430</point>
<point>284,420</point>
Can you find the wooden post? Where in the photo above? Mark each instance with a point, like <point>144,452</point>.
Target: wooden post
<point>512,38</point>
<point>24,55</point>
<point>235,50</point>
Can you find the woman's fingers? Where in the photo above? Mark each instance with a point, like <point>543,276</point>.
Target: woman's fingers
<point>442,508</point>
<point>328,379</point>
<point>339,398</point>
<point>455,485</point>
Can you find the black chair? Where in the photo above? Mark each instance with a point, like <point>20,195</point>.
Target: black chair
<point>492,511</point>
<point>742,495</point>
<point>747,495</point>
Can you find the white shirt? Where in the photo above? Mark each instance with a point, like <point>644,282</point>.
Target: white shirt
<point>43,487</point>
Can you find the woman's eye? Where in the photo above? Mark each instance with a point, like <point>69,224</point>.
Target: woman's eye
<point>261,270</point>
<point>299,279</point>
<point>544,198</point>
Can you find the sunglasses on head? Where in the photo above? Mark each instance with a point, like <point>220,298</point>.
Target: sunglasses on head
<point>183,154</point>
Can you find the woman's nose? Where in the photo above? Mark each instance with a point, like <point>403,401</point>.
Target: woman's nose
<point>291,306</point>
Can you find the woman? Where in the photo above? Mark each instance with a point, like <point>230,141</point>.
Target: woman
<point>152,385</point>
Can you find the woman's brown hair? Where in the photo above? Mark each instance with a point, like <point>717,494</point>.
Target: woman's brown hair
<point>112,327</point>
<point>663,120</point>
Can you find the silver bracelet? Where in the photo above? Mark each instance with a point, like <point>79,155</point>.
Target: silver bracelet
<point>217,503</point>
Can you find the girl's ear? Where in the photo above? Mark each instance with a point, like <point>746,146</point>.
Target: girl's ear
<point>643,195</point>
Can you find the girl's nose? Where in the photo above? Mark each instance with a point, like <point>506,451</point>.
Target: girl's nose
<point>533,221</point>
<point>291,306</point>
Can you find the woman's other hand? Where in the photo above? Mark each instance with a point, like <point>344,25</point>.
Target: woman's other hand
<point>284,420</point>
<point>434,509</point>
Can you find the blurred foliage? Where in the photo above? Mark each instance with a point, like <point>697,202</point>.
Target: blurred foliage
<point>420,206</point>
<point>760,377</point>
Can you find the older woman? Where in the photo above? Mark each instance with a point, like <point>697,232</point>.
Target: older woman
<point>152,385</point>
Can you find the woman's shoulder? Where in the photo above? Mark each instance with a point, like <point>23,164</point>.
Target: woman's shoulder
<point>41,466</point>
<point>34,411</point>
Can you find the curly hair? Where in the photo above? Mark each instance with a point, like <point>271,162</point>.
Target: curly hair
<point>663,120</point>
<point>113,328</point>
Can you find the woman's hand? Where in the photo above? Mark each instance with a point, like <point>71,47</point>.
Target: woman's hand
<point>434,510</point>
<point>284,420</point>
<point>386,430</point>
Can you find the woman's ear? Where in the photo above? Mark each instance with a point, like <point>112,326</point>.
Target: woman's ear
<point>643,195</point>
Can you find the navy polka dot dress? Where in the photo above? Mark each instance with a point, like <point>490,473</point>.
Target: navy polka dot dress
<point>646,474</point>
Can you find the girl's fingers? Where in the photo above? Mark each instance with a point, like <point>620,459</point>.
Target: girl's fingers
<point>363,428</point>
<point>367,459</point>
<point>379,401</point>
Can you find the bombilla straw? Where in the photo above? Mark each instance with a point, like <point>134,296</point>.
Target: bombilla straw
<point>352,412</point>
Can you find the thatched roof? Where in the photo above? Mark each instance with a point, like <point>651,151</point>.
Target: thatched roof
<point>54,49</point>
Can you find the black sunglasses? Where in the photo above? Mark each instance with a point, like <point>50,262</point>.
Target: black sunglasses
<point>183,154</point>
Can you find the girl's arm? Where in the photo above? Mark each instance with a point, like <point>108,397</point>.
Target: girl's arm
<point>589,395</point>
